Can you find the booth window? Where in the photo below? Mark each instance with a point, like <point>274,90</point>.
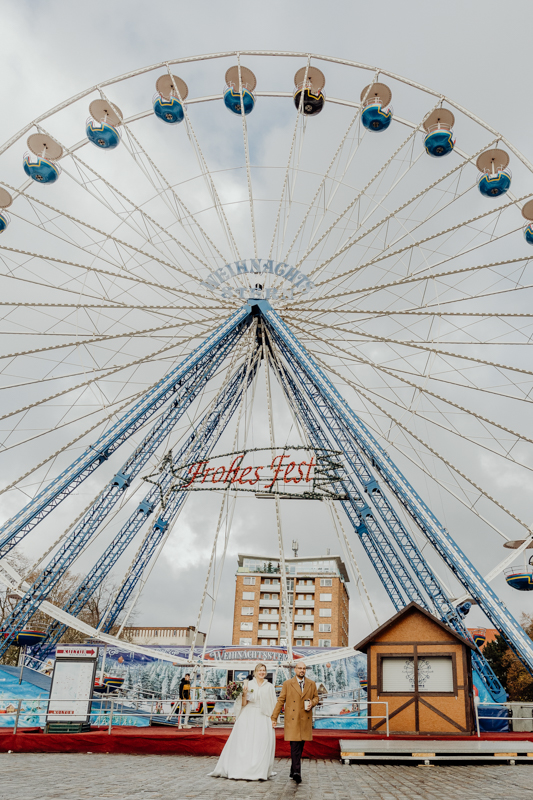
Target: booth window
<point>434,674</point>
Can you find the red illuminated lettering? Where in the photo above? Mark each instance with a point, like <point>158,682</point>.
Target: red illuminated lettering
<point>215,474</point>
<point>197,471</point>
<point>277,469</point>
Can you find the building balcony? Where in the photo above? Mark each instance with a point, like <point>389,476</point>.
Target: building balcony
<point>303,618</point>
<point>304,589</point>
<point>272,603</point>
<point>270,587</point>
<point>267,634</point>
<point>268,617</point>
<point>304,603</point>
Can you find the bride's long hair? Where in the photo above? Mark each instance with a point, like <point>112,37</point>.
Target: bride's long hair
<point>258,667</point>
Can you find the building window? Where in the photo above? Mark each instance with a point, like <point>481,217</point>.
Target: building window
<point>325,612</point>
<point>266,597</point>
<point>156,633</point>
<point>299,627</point>
<point>267,581</point>
<point>325,598</point>
<point>248,595</point>
<point>326,581</point>
<point>247,611</point>
<point>298,642</point>
<point>275,581</point>
<point>308,627</point>
<point>249,581</point>
<point>308,596</point>
<point>264,626</point>
<point>290,584</point>
<point>245,641</point>
<point>247,626</point>
<point>308,612</point>
<point>324,642</point>
<point>300,597</point>
<point>273,641</point>
<point>307,643</point>
<point>324,628</point>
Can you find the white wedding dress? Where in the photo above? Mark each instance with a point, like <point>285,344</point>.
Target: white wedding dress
<point>249,752</point>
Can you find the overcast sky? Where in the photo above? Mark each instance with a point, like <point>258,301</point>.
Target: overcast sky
<point>475,51</point>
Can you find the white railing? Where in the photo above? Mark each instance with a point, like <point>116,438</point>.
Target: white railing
<point>109,711</point>
<point>508,706</point>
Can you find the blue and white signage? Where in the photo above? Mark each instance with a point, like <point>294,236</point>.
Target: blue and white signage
<point>295,281</point>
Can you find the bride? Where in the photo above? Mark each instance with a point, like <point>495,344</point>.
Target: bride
<point>249,752</point>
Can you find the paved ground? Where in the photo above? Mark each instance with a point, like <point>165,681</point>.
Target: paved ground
<point>95,776</point>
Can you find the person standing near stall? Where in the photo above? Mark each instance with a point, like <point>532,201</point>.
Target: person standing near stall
<point>185,705</point>
<point>299,696</point>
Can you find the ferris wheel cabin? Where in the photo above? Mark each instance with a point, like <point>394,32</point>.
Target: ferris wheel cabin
<point>238,94</point>
<point>494,179</point>
<point>5,202</point>
<point>377,111</point>
<point>169,99</point>
<point>439,139</point>
<point>102,125</point>
<point>527,213</point>
<point>308,95</point>
<point>39,164</point>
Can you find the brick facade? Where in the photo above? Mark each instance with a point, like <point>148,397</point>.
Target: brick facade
<point>318,599</point>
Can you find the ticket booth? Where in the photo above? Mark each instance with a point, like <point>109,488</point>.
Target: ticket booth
<point>422,668</point>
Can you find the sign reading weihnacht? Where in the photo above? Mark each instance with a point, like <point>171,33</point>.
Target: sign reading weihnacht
<point>295,280</point>
<point>298,473</point>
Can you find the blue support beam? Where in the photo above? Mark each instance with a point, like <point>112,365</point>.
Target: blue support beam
<point>201,440</point>
<point>216,423</point>
<point>225,337</point>
<point>432,529</point>
<point>55,492</point>
<point>440,603</point>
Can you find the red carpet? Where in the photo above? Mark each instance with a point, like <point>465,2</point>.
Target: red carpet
<point>168,741</point>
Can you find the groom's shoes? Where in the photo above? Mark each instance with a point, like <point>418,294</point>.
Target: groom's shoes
<point>297,778</point>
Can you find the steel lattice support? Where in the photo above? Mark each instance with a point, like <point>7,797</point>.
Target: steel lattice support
<point>432,529</point>
<point>77,540</point>
<point>95,455</point>
<point>441,605</point>
<point>196,445</point>
<point>217,421</point>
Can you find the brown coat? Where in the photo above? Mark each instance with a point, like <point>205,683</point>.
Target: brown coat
<point>298,721</point>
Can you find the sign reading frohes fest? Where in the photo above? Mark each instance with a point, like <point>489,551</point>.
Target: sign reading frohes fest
<point>216,281</point>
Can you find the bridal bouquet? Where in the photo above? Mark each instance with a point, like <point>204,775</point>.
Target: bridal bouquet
<point>234,690</point>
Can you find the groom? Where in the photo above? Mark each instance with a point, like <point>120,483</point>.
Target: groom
<point>298,695</point>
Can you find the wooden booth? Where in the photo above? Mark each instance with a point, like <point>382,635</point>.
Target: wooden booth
<point>423,669</point>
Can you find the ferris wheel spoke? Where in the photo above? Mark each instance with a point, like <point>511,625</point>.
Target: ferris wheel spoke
<point>429,349</point>
<point>338,180</point>
<point>424,444</point>
<point>459,226</point>
<point>357,330</point>
<point>409,249</point>
<point>154,234</point>
<point>421,390</point>
<point>110,337</point>
<point>162,186</point>
<point>367,291</point>
<point>354,202</point>
<point>106,373</point>
<point>352,242</point>
<point>247,159</point>
<point>206,174</point>
<point>126,275</point>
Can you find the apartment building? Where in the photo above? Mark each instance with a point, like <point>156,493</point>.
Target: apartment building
<point>157,634</point>
<point>317,595</point>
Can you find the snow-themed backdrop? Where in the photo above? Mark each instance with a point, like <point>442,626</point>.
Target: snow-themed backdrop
<point>150,687</point>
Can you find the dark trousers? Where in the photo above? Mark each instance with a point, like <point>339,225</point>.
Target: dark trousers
<point>297,749</point>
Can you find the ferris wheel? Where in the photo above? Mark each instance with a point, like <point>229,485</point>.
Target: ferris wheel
<point>268,210</point>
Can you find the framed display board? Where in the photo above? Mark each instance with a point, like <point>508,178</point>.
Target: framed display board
<point>72,684</point>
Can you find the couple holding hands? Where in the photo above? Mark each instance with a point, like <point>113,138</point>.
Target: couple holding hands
<point>249,752</point>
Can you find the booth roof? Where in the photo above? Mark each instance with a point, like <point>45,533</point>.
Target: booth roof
<point>363,646</point>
